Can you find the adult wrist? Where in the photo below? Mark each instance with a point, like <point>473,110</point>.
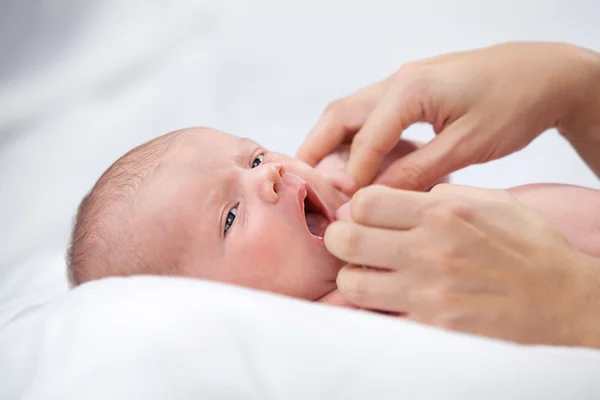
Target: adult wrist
<point>587,327</point>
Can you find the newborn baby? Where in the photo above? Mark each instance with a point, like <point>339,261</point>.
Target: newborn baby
<point>204,204</point>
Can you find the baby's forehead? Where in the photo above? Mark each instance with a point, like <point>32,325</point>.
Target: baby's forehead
<point>198,171</point>
<point>205,145</point>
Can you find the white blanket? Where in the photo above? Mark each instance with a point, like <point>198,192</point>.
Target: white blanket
<point>82,82</point>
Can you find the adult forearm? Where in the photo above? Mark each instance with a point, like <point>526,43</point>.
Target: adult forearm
<point>581,126</point>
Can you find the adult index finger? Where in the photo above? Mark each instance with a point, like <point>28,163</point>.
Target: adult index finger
<point>385,207</point>
<point>339,122</point>
<point>400,107</point>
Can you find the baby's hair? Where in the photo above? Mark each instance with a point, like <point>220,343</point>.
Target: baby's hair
<point>101,245</point>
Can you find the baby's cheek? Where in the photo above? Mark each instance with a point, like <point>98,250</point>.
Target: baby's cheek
<point>264,248</point>
<point>260,250</point>
<point>277,248</point>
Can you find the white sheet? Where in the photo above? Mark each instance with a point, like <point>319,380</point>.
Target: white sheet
<point>82,82</point>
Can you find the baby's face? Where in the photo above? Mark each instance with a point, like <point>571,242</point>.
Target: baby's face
<point>235,212</point>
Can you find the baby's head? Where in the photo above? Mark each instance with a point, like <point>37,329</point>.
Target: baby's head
<point>201,203</point>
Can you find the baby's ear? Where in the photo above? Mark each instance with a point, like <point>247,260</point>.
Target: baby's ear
<point>337,159</point>
<point>333,168</point>
<point>402,148</point>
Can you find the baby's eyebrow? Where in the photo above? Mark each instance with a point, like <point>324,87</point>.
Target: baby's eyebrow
<point>245,146</point>
<point>246,142</point>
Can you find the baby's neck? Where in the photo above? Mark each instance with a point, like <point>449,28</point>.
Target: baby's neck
<point>335,298</point>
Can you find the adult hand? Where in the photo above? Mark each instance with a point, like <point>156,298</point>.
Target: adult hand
<point>467,259</point>
<point>483,105</point>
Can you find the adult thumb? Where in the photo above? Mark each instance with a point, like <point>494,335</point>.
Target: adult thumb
<point>343,213</point>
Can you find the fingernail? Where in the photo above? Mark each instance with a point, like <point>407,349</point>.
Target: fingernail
<point>343,213</point>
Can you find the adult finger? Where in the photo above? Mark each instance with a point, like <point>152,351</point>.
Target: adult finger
<point>400,107</point>
<point>384,207</point>
<point>343,213</point>
<point>469,192</point>
<point>341,119</point>
<point>375,289</point>
<point>362,245</point>
<point>428,164</point>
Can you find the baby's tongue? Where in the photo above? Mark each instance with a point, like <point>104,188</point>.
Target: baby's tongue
<point>316,223</point>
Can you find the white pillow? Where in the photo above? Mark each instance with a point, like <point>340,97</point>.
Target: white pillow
<point>151,337</point>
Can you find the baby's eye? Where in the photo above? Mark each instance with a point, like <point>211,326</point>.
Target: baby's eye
<point>230,218</point>
<point>257,161</point>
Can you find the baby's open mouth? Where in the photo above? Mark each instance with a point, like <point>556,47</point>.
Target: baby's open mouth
<point>315,213</point>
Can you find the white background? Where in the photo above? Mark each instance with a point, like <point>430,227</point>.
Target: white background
<point>82,82</point>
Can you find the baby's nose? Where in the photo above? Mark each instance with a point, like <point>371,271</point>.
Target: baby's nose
<point>275,172</point>
<point>272,174</point>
